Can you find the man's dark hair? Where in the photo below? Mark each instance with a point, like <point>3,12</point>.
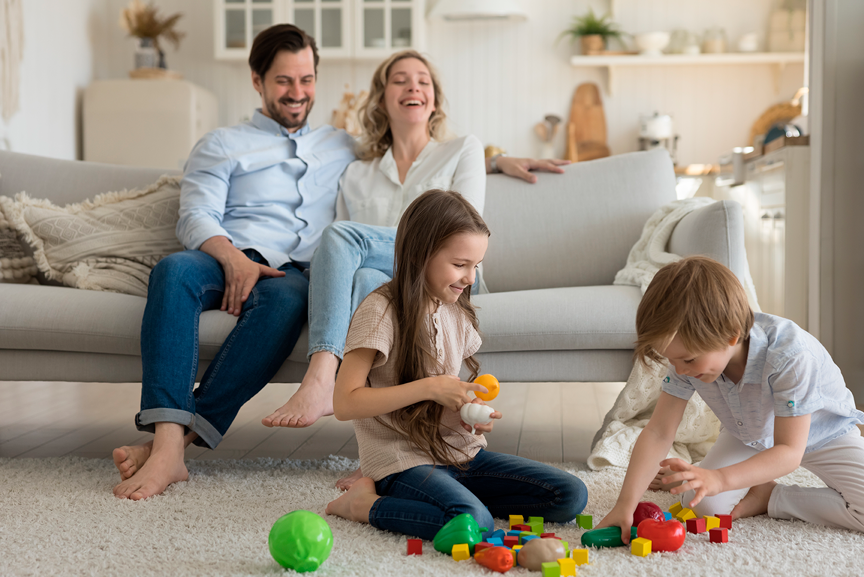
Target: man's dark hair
<point>274,39</point>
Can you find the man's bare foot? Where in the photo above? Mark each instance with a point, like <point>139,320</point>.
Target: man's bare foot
<point>345,482</point>
<point>314,398</point>
<point>153,477</point>
<point>755,502</point>
<point>658,485</point>
<point>355,503</point>
<point>129,459</point>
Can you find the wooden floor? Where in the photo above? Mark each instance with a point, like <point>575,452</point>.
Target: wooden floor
<point>551,422</point>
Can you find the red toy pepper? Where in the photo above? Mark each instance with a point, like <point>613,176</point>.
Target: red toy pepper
<point>498,559</point>
<point>664,535</point>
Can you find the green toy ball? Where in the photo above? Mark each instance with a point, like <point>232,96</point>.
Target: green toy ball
<point>300,540</point>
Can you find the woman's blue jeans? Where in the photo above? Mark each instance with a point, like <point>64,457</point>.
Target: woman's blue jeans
<point>183,285</point>
<point>420,500</point>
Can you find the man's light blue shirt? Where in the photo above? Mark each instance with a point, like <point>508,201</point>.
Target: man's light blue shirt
<point>263,187</point>
<point>788,374</point>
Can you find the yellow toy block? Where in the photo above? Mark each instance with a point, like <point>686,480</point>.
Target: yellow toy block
<point>675,509</point>
<point>568,567</point>
<point>580,556</point>
<point>685,514</point>
<point>516,520</point>
<point>640,547</point>
<point>461,552</point>
<point>515,554</point>
<point>711,522</point>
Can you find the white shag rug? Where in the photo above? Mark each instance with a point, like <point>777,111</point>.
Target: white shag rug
<point>59,517</point>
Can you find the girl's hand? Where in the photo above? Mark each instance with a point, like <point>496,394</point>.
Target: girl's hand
<point>451,393</point>
<point>706,482</point>
<point>485,427</point>
<point>618,518</point>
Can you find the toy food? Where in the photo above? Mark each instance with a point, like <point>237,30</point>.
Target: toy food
<point>647,510</point>
<point>300,540</point>
<point>538,551</point>
<point>491,384</point>
<point>474,414</point>
<point>606,537</point>
<point>460,529</point>
<point>498,559</point>
<point>664,535</point>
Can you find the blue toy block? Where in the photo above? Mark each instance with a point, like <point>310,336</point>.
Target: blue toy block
<point>527,538</point>
<point>495,541</point>
<point>514,533</point>
<point>668,515</point>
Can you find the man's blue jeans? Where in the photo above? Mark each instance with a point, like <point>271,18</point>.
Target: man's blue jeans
<point>183,285</point>
<point>420,500</point>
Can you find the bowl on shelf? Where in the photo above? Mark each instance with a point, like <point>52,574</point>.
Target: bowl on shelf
<point>652,43</point>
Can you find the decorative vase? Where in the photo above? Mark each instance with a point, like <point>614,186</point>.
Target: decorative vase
<point>592,44</point>
<point>146,55</point>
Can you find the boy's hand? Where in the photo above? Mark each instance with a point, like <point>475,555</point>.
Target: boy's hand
<point>479,429</point>
<point>449,392</point>
<point>706,482</point>
<point>618,518</point>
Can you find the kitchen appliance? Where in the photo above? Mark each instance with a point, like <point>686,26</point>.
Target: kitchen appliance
<point>656,131</point>
<point>732,169</point>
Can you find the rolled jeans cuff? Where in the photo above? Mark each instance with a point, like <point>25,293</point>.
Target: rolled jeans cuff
<point>322,348</point>
<point>208,436</point>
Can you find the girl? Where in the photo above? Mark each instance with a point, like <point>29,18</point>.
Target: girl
<point>397,382</point>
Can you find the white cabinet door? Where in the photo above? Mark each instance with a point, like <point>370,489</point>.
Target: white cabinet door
<point>238,22</point>
<point>330,22</point>
<point>383,27</point>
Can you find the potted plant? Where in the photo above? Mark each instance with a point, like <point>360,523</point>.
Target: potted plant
<point>144,22</point>
<point>592,32</point>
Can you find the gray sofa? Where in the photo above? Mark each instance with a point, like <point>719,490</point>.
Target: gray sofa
<point>552,313</point>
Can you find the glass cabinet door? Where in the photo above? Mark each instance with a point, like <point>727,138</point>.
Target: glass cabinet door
<point>238,22</point>
<point>328,21</point>
<point>387,26</point>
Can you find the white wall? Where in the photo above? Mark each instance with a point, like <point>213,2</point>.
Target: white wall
<point>501,78</point>
<point>60,46</point>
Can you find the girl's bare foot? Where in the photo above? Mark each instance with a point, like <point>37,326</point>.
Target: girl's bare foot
<point>129,459</point>
<point>160,471</point>
<point>355,503</point>
<point>345,482</point>
<point>658,485</point>
<point>755,502</point>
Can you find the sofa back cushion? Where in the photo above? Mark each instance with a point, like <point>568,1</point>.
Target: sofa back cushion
<point>573,229</point>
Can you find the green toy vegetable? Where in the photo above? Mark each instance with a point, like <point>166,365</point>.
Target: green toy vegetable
<point>605,537</point>
<point>300,540</point>
<point>460,529</point>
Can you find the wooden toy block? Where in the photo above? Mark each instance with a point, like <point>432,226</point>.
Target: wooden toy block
<point>535,520</point>
<point>516,554</point>
<point>567,566</point>
<point>548,536</point>
<point>711,522</point>
<point>719,535</point>
<point>415,546</point>
<point>668,515</point>
<point>516,520</point>
<point>521,527</point>
<point>696,525</point>
<point>536,524</point>
<point>580,556</point>
<point>482,545</point>
<point>461,552</point>
<point>514,533</point>
<point>526,538</point>
<point>640,547</point>
<point>725,521</point>
<point>499,534</point>
<point>495,541</point>
<point>675,509</point>
<point>585,521</point>
<point>566,547</point>
<point>509,541</point>
<point>685,514</point>
<point>550,569</point>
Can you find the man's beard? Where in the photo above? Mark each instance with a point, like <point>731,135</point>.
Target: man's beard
<point>286,121</point>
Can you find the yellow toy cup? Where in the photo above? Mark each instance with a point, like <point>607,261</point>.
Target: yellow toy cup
<point>491,383</point>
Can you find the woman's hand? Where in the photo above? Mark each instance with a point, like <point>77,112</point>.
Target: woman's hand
<point>451,393</point>
<point>520,167</point>
<point>706,482</point>
<point>479,429</point>
<point>618,518</point>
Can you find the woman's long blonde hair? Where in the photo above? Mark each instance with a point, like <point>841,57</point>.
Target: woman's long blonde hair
<point>376,136</point>
<point>428,222</point>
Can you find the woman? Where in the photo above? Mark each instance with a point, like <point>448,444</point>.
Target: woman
<point>403,152</point>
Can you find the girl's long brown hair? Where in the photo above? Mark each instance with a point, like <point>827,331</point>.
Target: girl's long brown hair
<point>429,221</point>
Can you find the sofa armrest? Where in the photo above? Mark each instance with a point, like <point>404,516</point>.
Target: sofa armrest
<point>716,231</point>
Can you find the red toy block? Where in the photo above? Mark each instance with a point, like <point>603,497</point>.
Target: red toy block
<point>719,535</point>
<point>415,546</point>
<point>695,525</point>
<point>511,541</point>
<point>520,528</point>
<point>549,536</point>
<point>482,545</point>
<point>725,521</point>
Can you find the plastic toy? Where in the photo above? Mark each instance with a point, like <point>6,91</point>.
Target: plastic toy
<point>676,508</point>
<point>664,535</point>
<point>551,569</point>
<point>497,534</point>
<point>568,567</point>
<point>521,527</point>
<point>685,514</point>
<point>498,559</point>
<point>474,414</point>
<point>667,515</point>
<point>696,525</point>
<point>495,541</point>
<point>566,547</point>
<point>458,530</point>
<point>719,535</point>
<point>509,541</point>
<point>536,524</point>
<point>608,537</point>
<point>300,540</point>
<point>725,521</point>
<point>482,545</point>
<point>516,520</point>
<point>415,546</point>
<point>580,556</point>
<point>640,547</point>
<point>460,552</point>
<point>491,384</point>
<point>549,536</point>
<point>647,510</point>
<point>711,522</point>
<point>585,521</point>
<point>530,537</point>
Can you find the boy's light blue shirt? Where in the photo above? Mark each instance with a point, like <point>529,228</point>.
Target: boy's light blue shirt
<point>263,187</point>
<point>788,374</point>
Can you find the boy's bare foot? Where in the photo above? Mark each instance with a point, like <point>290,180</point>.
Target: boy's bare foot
<point>129,459</point>
<point>658,485</point>
<point>345,482</point>
<point>314,398</point>
<point>355,503</point>
<point>755,502</point>
<point>160,471</point>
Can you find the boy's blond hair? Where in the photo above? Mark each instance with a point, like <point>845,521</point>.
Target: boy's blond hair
<point>699,300</point>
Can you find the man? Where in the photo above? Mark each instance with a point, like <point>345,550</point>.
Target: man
<point>254,200</point>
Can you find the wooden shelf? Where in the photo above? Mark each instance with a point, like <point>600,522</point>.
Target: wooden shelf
<point>777,59</point>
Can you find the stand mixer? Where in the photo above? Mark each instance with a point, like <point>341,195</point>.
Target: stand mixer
<point>656,131</point>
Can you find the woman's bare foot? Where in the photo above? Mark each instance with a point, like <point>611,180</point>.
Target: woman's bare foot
<point>755,502</point>
<point>129,459</point>
<point>355,503</point>
<point>345,482</point>
<point>314,398</point>
<point>153,478</point>
<point>658,485</point>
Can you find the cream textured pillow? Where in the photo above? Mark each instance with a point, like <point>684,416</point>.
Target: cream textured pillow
<point>110,243</point>
<point>15,265</point>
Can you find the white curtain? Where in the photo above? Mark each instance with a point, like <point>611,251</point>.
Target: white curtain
<point>11,52</point>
